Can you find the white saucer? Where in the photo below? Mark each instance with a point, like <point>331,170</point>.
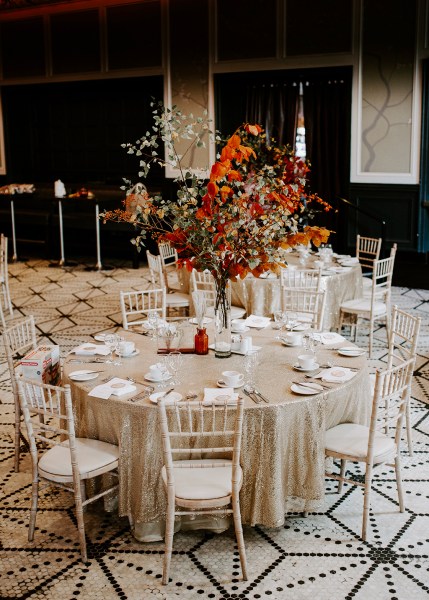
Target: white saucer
<point>135,352</point>
<point>166,377</point>
<point>306,391</point>
<point>172,397</point>
<point>83,375</point>
<point>298,368</point>
<point>289,345</point>
<point>100,337</point>
<point>240,330</point>
<point>222,384</point>
<point>350,351</point>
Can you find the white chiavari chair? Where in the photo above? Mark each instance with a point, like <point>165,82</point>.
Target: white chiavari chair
<point>174,300</point>
<point>169,257</point>
<point>372,445</point>
<point>18,340</point>
<point>6,303</point>
<point>403,339</point>
<point>204,281</point>
<point>136,306</point>
<point>367,251</point>
<point>377,305</point>
<point>309,279</point>
<point>309,305</point>
<point>48,416</point>
<point>201,485</point>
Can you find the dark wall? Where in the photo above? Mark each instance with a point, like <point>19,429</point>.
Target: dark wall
<point>73,131</point>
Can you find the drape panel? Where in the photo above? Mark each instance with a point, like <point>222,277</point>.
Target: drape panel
<point>275,107</point>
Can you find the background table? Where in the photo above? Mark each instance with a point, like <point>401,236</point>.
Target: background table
<point>283,441</point>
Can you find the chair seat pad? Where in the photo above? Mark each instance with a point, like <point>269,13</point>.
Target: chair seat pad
<point>352,439</point>
<point>177,298</point>
<point>197,482</point>
<point>363,305</point>
<point>91,455</point>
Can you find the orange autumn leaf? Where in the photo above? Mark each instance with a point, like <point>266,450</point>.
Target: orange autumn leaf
<point>225,192</point>
<point>234,141</point>
<point>234,176</point>
<point>227,153</point>
<point>219,170</point>
<point>253,129</point>
<point>212,189</point>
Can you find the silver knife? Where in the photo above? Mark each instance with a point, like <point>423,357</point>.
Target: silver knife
<point>260,395</point>
<point>255,400</point>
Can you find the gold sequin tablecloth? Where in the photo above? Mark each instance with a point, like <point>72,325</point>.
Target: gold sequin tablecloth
<point>283,441</point>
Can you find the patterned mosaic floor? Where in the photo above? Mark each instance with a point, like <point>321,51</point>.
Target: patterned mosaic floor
<point>319,557</point>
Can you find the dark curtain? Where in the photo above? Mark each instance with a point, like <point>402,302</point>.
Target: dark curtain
<point>327,113</point>
<point>274,106</point>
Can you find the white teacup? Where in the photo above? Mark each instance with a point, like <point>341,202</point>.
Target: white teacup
<point>232,378</point>
<point>294,338</point>
<point>156,372</point>
<point>126,348</point>
<point>306,361</point>
<point>238,325</point>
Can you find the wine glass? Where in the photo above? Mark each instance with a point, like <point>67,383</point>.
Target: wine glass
<point>153,319</point>
<point>112,340</point>
<point>291,320</point>
<point>251,361</point>
<point>174,361</point>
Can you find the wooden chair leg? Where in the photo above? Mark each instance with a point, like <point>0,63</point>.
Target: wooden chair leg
<point>169,533</point>
<point>33,510</point>
<point>366,501</point>
<point>409,429</point>
<point>342,473</point>
<point>399,483</point>
<point>80,520</point>
<point>239,535</point>
<point>371,331</point>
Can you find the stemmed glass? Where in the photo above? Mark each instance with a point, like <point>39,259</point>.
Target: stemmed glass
<point>251,361</point>
<point>112,340</point>
<point>153,320</point>
<point>291,320</point>
<point>174,361</point>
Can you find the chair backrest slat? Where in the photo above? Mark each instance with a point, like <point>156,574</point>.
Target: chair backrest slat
<point>301,278</point>
<point>403,335</point>
<point>142,303</point>
<point>368,251</point>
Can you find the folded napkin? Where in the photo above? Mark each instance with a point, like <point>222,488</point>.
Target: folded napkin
<point>346,262</point>
<point>217,396</point>
<point>328,337</point>
<point>255,321</point>
<point>336,375</point>
<point>116,386</point>
<point>91,349</point>
<point>159,323</point>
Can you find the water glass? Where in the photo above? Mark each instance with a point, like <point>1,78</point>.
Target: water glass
<point>251,361</point>
<point>174,362</point>
<point>113,340</point>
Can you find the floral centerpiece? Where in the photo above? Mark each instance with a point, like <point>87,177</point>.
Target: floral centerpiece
<point>254,206</point>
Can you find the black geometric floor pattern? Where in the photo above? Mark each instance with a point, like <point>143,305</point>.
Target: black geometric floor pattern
<point>320,556</point>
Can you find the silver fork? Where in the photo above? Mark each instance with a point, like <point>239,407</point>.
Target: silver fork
<point>149,388</point>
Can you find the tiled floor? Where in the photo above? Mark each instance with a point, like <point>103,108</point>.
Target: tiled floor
<point>318,557</point>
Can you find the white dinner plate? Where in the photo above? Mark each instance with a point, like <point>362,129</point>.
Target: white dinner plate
<point>206,320</point>
<point>149,377</point>
<point>222,384</point>
<point>252,351</point>
<point>84,375</point>
<point>172,397</point>
<point>240,330</point>
<point>350,351</point>
<point>306,391</point>
<point>300,327</point>
<point>135,352</point>
<point>298,368</point>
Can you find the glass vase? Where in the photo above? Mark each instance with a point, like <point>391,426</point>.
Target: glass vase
<point>223,336</point>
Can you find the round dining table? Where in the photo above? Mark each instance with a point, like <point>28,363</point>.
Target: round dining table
<point>282,457</point>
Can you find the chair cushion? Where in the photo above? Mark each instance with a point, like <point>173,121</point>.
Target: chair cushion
<point>177,298</point>
<point>91,455</point>
<point>352,439</point>
<point>198,483</point>
<point>363,305</point>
